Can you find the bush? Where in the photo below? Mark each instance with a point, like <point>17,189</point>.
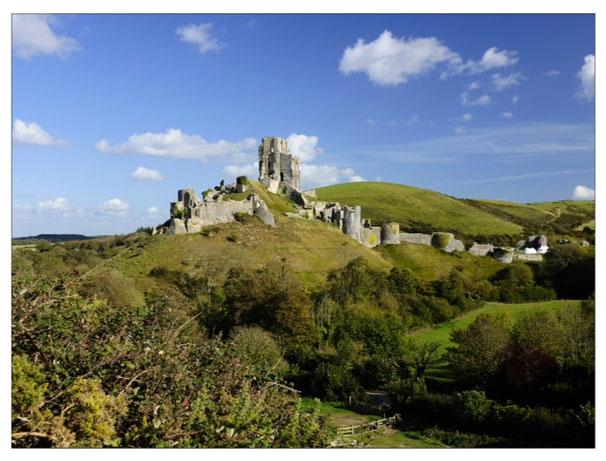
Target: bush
<point>441,239</point>
<point>243,180</point>
<point>259,350</point>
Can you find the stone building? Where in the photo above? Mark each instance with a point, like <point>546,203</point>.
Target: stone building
<point>278,168</point>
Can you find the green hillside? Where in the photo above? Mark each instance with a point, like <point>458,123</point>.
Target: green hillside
<point>441,333</point>
<point>564,217</point>
<point>418,209</point>
<point>310,248</point>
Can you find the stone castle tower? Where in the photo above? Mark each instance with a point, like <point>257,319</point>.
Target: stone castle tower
<point>278,168</point>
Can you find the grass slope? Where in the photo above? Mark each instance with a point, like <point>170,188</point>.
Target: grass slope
<point>428,263</point>
<point>441,333</point>
<point>309,248</point>
<point>536,216</point>
<point>417,209</point>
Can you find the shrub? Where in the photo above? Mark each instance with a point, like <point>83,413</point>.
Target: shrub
<point>257,347</point>
<point>441,239</point>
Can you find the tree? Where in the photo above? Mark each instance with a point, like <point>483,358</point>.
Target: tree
<point>480,349</point>
<point>420,356</point>
<point>257,347</point>
<point>570,270</point>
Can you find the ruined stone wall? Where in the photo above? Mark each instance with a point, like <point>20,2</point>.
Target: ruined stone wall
<point>352,221</point>
<point>371,236</point>
<point>528,257</point>
<point>416,238</point>
<point>189,214</point>
<point>479,249</point>
<point>390,233</point>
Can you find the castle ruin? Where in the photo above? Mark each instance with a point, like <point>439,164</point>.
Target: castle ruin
<point>278,169</point>
<point>279,173</point>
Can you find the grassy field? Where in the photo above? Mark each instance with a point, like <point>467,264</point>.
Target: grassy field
<point>441,372</point>
<point>413,207</point>
<point>441,333</point>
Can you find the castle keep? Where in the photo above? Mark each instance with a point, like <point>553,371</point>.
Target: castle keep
<point>278,168</point>
<point>279,173</point>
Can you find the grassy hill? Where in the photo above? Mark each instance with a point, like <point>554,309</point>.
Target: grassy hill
<point>423,210</point>
<point>563,217</point>
<point>417,209</point>
<point>310,248</point>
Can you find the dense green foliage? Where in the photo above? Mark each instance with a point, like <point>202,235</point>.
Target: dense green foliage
<point>90,374</point>
<point>528,379</point>
<point>209,339</point>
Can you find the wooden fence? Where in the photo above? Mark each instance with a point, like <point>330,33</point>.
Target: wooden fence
<point>373,426</point>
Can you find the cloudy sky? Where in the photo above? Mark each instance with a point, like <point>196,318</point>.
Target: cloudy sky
<point>113,113</point>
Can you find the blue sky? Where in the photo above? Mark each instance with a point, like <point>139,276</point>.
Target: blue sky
<point>113,113</point>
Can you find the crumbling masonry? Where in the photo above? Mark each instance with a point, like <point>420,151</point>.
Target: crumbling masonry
<point>280,173</point>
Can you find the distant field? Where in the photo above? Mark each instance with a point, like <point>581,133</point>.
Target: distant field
<point>413,207</point>
<point>515,212</point>
<point>441,333</point>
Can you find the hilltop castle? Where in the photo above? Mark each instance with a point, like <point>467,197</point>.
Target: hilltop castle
<point>279,173</point>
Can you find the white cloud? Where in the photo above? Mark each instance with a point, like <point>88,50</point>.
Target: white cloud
<point>114,207</point>
<point>583,193</point>
<point>250,169</point>
<point>370,121</point>
<point>152,210</point>
<point>483,100</point>
<point>515,99</point>
<point>324,175</point>
<point>391,61</point>
<point>32,133</point>
<point>507,115</point>
<point>473,86</point>
<point>491,59</point>
<point>56,205</point>
<point>466,117</point>
<point>503,82</point>
<point>303,146</point>
<point>551,73</point>
<point>200,35</point>
<point>459,130</point>
<point>146,174</point>
<point>175,143</point>
<point>587,77</point>
<point>33,35</point>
